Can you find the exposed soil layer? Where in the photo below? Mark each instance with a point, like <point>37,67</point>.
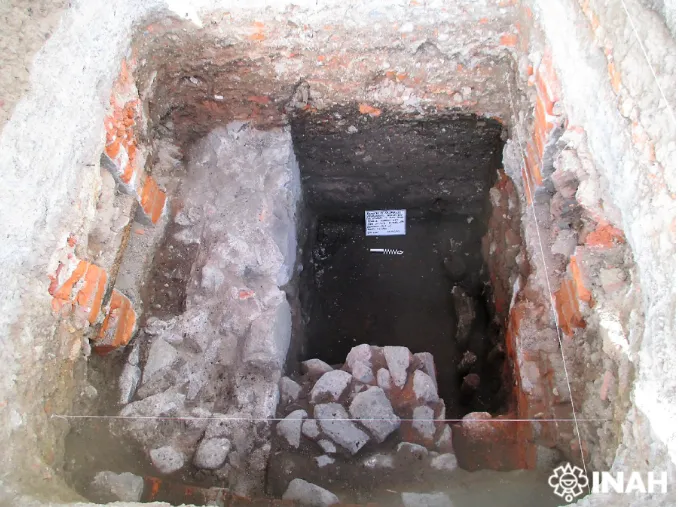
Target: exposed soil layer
<point>433,166</point>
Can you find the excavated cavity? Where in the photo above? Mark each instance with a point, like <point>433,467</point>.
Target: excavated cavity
<point>432,298</point>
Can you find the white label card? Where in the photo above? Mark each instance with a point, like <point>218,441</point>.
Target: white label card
<point>385,222</point>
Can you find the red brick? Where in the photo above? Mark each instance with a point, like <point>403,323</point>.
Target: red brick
<point>533,161</point>
<point>548,84</point>
<point>367,109</point>
<point>567,306</point>
<point>152,199</point>
<point>580,282</point>
<point>119,324</point>
<point>82,291</point>
<point>508,39</point>
<point>605,236</point>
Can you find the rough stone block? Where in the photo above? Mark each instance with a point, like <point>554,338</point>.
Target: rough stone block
<point>335,423</point>
<point>269,339</point>
<point>375,413</point>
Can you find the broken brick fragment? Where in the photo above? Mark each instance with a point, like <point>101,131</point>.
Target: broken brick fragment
<point>605,236</point>
<point>367,109</point>
<point>80,289</point>
<point>567,307</point>
<point>152,199</point>
<point>119,325</point>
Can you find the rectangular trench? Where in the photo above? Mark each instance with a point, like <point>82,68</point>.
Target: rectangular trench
<point>440,169</point>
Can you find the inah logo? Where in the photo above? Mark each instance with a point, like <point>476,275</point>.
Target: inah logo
<point>568,481</point>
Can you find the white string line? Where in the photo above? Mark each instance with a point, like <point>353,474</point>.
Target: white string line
<point>277,419</point>
<point>546,275</point>
<point>647,59</point>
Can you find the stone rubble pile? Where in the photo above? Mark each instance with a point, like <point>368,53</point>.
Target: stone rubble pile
<point>379,414</point>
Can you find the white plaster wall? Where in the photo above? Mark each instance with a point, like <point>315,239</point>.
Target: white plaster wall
<point>643,190</point>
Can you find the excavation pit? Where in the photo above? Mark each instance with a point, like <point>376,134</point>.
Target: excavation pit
<point>205,239</point>
<point>440,170</point>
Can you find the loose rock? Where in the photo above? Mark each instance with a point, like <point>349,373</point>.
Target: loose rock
<point>289,390</point>
<point>167,459</point>
<point>470,384</point>
<point>423,421</point>
<point>111,487</point>
<point>362,372</point>
<point>290,427</point>
<point>444,442</point>
<point>445,462</point>
<point>384,379</point>
<point>161,356</point>
<point>315,367</point>
<point>467,361</point>
<point>411,450</point>
<point>375,413</point>
<point>330,386</point>
<point>327,446</point>
<point>361,354</point>
<point>333,421</point>
<point>424,387</point>
<point>212,453</point>
<point>323,461</point>
<point>128,382</point>
<point>378,461</point>
<point>397,359</point>
<point>310,429</point>
<point>309,494</point>
<point>429,365</point>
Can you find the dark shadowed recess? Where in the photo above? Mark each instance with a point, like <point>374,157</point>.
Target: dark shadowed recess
<point>440,169</point>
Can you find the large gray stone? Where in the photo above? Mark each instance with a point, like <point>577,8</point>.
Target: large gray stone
<point>426,500</point>
<point>398,360</point>
<point>429,365</point>
<point>422,421</point>
<point>128,382</point>
<point>375,413</point>
<point>384,379</point>
<point>310,429</point>
<point>444,442</point>
<point>290,427</point>
<point>308,494</point>
<point>424,387</point>
<point>445,462</point>
<point>359,353</point>
<point>315,367</point>
<point>269,338</point>
<point>111,487</point>
<point>166,403</point>
<point>161,356</point>
<point>362,372</point>
<point>330,386</point>
<point>289,390</point>
<point>167,459</point>
<point>212,453</point>
<point>327,446</point>
<point>335,423</point>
